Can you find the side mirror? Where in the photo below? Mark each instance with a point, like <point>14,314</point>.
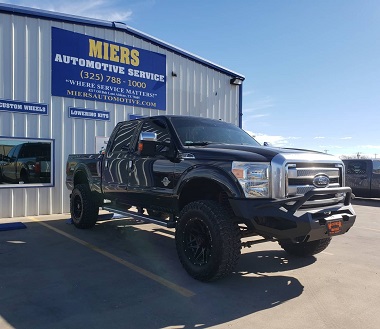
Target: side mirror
<point>153,148</point>
<point>147,144</point>
<point>148,136</point>
<point>147,148</point>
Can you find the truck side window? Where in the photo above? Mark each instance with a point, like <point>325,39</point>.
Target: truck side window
<point>14,151</point>
<point>358,168</point>
<point>124,136</point>
<point>376,167</point>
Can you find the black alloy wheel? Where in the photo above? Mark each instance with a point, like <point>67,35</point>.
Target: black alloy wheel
<point>197,242</point>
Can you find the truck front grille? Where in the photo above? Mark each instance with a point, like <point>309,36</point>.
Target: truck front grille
<point>300,179</point>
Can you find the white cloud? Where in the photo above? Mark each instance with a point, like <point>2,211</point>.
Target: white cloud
<point>344,138</point>
<point>99,9</point>
<point>277,141</point>
<point>255,116</point>
<point>319,137</point>
<point>259,105</point>
<point>247,93</point>
<point>369,147</point>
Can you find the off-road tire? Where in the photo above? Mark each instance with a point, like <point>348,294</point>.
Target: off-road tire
<point>305,249</point>
<point>207,240</point>
<point>84,207</point>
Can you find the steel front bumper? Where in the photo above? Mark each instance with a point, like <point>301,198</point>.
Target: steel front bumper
<point>290,219</point>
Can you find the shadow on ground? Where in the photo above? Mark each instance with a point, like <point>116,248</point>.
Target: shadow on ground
<point>366,202</point>
<point>49,280</point>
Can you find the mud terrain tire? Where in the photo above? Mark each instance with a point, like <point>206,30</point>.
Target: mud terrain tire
<point>207,240</point>
<point>305,249</point>
<point>84,207</point>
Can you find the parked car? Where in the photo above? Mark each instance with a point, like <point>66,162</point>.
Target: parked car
<point>26,163</point>
<point>363,176</point>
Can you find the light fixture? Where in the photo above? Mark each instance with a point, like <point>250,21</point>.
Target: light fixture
<point>174,74</point>
<point>236,81</point>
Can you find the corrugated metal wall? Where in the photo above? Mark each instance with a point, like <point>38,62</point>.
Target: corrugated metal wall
<point>25,71</point>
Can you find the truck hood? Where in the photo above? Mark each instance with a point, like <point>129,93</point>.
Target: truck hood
<point>254,153</point>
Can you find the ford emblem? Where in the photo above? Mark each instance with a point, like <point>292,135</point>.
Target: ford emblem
<point>321,180</point>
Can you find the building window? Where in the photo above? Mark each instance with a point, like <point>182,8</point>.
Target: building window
<point>26,162</point>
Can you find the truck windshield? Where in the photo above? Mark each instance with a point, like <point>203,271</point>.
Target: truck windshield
<point>201,131</point>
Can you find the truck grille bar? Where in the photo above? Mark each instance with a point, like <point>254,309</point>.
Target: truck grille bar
<point>300,180</point>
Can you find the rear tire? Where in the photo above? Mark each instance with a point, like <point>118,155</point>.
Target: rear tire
<point>84,207</point>
<point>24,178</point>
<point>207,240</point>
<point>305,249</point>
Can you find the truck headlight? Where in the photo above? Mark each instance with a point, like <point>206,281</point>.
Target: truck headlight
<point>254,178</point>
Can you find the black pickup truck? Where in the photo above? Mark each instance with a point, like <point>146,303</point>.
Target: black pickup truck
<point>216,186</point>
<point>26,163</point>
<point>363,176</point>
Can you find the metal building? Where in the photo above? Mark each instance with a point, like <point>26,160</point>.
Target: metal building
<point>65,83</point>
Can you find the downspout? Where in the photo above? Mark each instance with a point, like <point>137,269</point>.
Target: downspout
<point>240,105</point>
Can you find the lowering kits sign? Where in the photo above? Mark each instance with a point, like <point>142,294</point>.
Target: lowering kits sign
<point>90,68</point>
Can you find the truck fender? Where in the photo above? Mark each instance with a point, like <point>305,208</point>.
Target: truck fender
<point>82,175</point>
<point>225,180</point>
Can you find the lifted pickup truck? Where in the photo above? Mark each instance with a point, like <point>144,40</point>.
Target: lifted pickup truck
<point>216,186</point>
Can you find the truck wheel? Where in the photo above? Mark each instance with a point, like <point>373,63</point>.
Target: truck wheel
<point>305,249</point>
<point>84,207</point>
<point>24,178</point>
<point>208,242</point>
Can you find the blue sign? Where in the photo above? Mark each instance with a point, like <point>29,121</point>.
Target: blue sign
<point>101,70</point>
<point>23,107</point>
<point>88,114</point>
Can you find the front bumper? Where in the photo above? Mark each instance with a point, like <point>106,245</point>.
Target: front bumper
<point>286,219</point>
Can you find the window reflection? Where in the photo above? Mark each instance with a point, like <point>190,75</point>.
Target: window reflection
<point>25,162</point>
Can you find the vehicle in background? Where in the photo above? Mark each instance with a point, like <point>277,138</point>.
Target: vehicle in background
<point>363,176</point>
<point>26,163</point>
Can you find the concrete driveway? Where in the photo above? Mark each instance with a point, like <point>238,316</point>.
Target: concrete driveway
<point>126,274</point>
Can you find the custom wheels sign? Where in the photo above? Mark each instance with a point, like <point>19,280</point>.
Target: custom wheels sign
<point>95,69</point>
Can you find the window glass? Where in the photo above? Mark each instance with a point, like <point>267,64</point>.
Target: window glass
<point>376,166</point>
<point>124,136</point>
<point>356,167</point>
<point>192,131</point>
<point>26,162</point>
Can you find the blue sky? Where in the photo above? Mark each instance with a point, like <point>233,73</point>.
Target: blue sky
<point>312,68</point>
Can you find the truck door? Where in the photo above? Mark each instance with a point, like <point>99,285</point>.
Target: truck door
<point>116,162</point>
<point>151,179</point>
<point>358,177</point>
<point>375,181</point>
